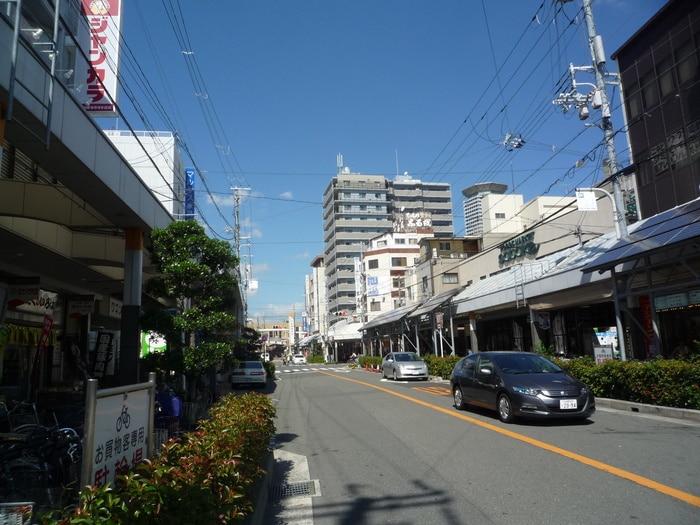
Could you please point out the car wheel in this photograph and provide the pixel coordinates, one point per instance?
(394, 376)
(458, 398)
(505, 409)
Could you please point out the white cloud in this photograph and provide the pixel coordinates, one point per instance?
(287, 195)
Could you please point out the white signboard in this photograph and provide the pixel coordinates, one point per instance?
(586, 201)
(602, 354)
(121, 435)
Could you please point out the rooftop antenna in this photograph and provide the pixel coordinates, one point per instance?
(339, 162)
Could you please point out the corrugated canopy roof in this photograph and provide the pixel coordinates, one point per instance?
(390, 317)
(651, 235)
(434, 302)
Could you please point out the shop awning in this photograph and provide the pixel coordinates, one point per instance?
(308, 340)
(435, 302)
(557, 272)
(390, 317)
(651, 236)
(344, 331)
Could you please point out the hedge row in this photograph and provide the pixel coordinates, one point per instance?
(206, 477)
(662, 382)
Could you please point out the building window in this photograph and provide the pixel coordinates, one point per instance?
(666, 82)
(650, 91)
(373, 264)
(377, 184)
(361, 183)
(687, 62)
(398, 261)
(445, 246)
(400, 241)
(346, 183)
(450, 278)
(500, 215)
(375, 306)
(634, 101)
(398, 282)
(412, 241)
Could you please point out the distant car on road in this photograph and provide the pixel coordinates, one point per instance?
(404, 365)
(519, 384)
(250, 373)
(299, 359)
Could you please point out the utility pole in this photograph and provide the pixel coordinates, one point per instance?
(243, 276)
(598, 99)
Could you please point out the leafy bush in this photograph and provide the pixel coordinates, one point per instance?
(315, 359)
(662, 382)
(270, 369)
(204, 478)
(369, 360)
(440, 366)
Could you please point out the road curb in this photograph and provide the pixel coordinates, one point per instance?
(640, 408)
(261, 492)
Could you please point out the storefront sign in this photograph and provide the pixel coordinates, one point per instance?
(31, 299)
(121, 435)
(602, 354)
(518, 248)
(80, 305)
(115, 308)
(676, 300)
(104, 21)
(103, 353)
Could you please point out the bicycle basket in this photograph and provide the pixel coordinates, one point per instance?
(19, 513)
(22, 415)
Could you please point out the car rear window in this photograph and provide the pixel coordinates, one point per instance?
(250, 364)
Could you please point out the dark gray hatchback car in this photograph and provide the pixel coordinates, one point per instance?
(519, 384)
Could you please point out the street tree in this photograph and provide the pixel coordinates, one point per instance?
(196, 279)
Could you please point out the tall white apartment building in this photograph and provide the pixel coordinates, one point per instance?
(389, 273)
(488, 210)
(316, 296)
(357, 208)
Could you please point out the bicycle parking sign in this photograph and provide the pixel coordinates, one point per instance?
(121, 433)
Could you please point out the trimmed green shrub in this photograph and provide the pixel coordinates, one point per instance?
(204, 478)
(440, 366)
(662, 382)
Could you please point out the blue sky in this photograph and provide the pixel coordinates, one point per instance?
(266, 94)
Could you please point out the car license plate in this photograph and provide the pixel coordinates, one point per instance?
(568, 404)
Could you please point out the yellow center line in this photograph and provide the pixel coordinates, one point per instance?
(641, 480)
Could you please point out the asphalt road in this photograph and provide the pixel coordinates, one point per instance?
(354, 449)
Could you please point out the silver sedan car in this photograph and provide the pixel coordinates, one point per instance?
(404, 365)
(250, 373)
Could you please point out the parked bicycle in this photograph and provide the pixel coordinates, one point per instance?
(39, 462)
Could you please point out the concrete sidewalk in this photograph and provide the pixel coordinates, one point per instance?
(640, 408)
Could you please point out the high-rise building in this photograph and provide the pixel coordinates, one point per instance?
(357, 208)
(487, 209)
(659, 72)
